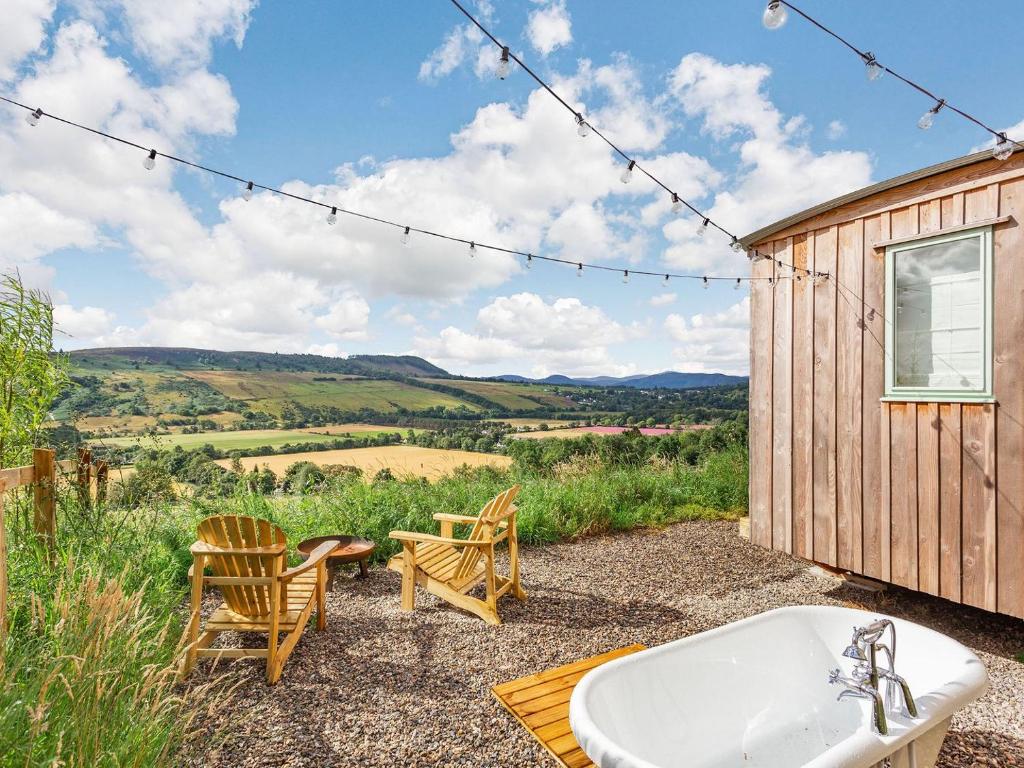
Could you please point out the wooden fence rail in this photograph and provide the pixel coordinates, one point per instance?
(42, 475)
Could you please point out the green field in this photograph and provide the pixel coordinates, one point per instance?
(270, 390)
(238, 440)
(518, 397)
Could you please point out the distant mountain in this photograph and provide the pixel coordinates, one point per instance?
(181, 358)
(664, 380)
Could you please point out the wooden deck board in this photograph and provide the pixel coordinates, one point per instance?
(540, 702)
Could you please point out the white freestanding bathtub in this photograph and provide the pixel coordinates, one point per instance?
(755, 693)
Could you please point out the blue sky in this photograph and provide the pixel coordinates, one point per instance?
(392, 108)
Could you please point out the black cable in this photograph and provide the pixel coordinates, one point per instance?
(865, 56)
(338, 209)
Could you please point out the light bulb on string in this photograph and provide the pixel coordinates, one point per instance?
(706, 284)
(581, 126)
(32, 118)
(627, 173)
(406, 237)
(247, 192)
(472, 249)
(332, 217)
(150, 162)
(737, 286)
(665, 283)
(703, 227)
(503, 64)
(677, 204)
(1003, 149)
(579, 269)
(928, 118)
(529, 261)
(873, 69)
(625, 277)
(774, 15)
(736, 245)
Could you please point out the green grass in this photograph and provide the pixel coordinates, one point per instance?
(236, 440)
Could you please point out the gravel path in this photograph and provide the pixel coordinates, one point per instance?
(385, 688)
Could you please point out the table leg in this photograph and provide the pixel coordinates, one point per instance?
(332, 572)
(364, 570)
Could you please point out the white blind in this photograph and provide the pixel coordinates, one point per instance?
(939, 316)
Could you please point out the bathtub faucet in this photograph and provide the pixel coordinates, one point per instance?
(864, 648)
(858, 687)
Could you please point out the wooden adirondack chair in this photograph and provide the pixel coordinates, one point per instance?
(247, 558)
(450, 567)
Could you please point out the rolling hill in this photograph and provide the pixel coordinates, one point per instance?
(664, 380)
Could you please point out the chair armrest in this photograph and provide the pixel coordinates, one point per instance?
(315, 557)
(428, 538)
(444, 517)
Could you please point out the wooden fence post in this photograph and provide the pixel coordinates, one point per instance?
(3, 576)
(102, 475)
(84, 477)
(44, 519)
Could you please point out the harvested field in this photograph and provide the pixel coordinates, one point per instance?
(402, 460)
(381, 687)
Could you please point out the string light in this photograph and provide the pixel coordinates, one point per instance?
(736, 245)
(774, 15)
(625, 277)
(627, 173)
(703, 227)
(503, 63)
(405, 230)
(1003, 148)
(706, 284)
(581, 126)
(584, 128)
(247, 192)
(32, 118)
(677, 204)
(529, 261)
(929, 117)
(472, 250)
(737, 286)
(872, 68)
(665, 284)
(876, 70)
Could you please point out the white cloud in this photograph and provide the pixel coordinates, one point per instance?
(327, 350)
(549, 27)
(347, 317)
(716, 342)
(778, 172)
(523, 330)
(836, 130)
(29, 229)
(22, 32)
(464, 43)
(81, 324)
(178, 34)
(662, 299)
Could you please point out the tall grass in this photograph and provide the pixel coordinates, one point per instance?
(90, 681)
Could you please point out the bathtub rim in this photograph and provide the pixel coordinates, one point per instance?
(863, 746)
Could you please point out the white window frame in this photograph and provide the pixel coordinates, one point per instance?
(929, 394)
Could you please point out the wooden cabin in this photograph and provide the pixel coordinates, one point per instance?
(887, 401)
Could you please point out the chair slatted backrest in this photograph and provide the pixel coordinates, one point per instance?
(229, 532)
(490, 517)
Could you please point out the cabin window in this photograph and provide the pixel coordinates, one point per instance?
(939, 306)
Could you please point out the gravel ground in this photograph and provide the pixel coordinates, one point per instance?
(381, 687)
